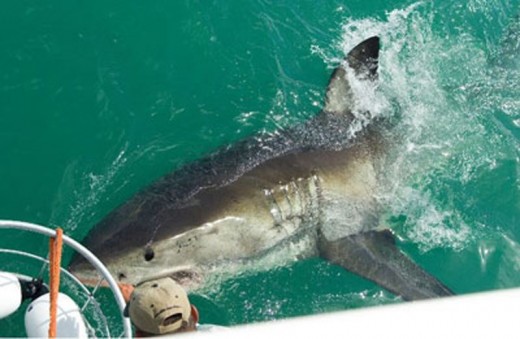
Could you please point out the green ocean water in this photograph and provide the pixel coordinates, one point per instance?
(98, 99)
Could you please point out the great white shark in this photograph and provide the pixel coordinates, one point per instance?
(307, 190)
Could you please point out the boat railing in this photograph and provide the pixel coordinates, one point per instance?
(104, 274)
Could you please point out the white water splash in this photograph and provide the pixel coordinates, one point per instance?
(428, 225)
(441, 90)
(87, 193)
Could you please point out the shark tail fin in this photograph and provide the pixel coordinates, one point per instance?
(363, 59)
(374, 256)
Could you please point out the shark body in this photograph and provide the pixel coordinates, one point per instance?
(308, 190)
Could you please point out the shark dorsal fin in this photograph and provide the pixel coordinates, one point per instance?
(363, 59)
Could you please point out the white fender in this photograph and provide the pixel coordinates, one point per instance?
(69, 320)
(10, 294)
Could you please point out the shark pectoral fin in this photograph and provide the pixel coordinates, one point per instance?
(374, 256)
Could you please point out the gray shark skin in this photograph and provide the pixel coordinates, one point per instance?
(265, 201)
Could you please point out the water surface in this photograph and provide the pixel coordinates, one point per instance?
(99, 99)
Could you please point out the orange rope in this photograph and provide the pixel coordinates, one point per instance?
(55, 247)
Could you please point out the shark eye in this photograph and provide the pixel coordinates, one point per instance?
(149, 254)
